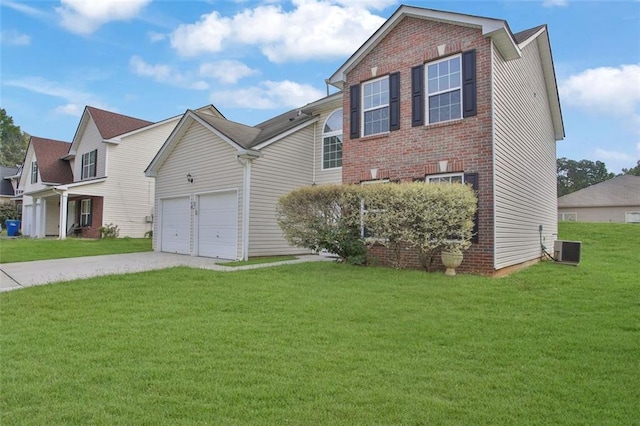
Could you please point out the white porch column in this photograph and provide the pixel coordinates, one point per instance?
(42, 220)
(62, 229)
(34, 226)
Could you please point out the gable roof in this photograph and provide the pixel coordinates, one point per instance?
(623, 190)
(111, 124)
(242, 137)
(508, 44)
(497, 29)
(6, 188)
(49, 153)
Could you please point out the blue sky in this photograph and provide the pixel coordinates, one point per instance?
(154, 59)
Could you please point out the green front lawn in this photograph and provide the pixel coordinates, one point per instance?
(27, 249)
(327, 343)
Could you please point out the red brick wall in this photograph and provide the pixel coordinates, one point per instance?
(412, 152)
(96, 219)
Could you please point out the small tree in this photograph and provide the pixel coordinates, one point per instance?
(323, 218)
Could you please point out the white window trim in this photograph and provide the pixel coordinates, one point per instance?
(328, 135)
(387, 105)
(632, 214)
(563, 217)
(34, 172)
(87, 165)
(84, 202)
(427, 94)
(428, 178)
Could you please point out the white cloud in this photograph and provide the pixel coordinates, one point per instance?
(268, 95)
(74, 99)
(614, 155)
(155, 37)
(555, 3)
(23, 8)
(165, 74)
(313, 29)
(226, 71)
(13, 37)
(607, 91)
(86, 16)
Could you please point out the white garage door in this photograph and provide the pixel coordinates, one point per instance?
(26, 221)
(174, 235)
(218, 225)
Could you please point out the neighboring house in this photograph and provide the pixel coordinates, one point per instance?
(96, 180)
(218, 182)
(432, 96)
(431, 87)
(614, 200)
(7, 188)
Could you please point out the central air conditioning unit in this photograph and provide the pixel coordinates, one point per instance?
(567, 251)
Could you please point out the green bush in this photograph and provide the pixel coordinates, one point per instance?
(109, 231)
(431, 218)
(7, 212)
(324, 218)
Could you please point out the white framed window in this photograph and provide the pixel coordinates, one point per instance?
(445, 178)
(85, 212)
(444, 89)
(632, 217)
(89, 164)
(332, 141)
(568, 217)
(375, 106)
(34, 172)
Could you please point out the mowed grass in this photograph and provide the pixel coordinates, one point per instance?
(333, 344)
(259, 260)
(28, 249)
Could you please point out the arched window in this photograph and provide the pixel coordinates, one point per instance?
(332, 141)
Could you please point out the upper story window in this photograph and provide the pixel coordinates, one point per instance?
(332, 141)
(89, 164)
(375, 106)
(446, 178)
(34, 172)
(444, 89)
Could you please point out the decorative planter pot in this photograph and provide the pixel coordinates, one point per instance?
(451, 261)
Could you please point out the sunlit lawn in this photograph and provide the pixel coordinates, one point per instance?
(27, 249)
(328, 343)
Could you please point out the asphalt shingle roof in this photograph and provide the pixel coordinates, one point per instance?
(48, 154)
(111, 124)
(5, 185)
(523, 35)
(250, 136)
(622, 190)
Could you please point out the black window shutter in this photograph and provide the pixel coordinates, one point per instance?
(472, 179)
(469, 90)
(354, 112)
(90, 212)
(417, 96)
(394, 101)
(94, 168)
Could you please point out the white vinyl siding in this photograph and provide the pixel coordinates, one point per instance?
(212, 163)
(53, 217)
(525, 159)
(285, 165)
(91, 140)
(129, 193)
(614, 214)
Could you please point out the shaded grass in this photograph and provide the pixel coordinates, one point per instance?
(28, 249)
(258, 260)
(326, 343)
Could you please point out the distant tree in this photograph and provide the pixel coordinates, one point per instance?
(633, 170)
(13, 141)
(575, 175)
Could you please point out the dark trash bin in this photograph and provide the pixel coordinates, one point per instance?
(12, 227)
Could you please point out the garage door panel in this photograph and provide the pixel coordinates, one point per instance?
(174, 236)
(218, 225)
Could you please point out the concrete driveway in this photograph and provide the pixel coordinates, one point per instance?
(26, 274)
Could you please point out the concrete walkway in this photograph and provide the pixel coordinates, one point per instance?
(26, 274)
